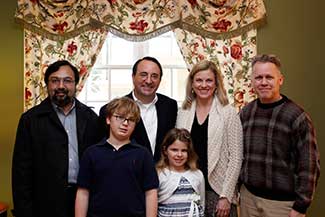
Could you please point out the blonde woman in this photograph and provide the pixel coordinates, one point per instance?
(217, 137)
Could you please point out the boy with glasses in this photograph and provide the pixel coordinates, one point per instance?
(117, 177)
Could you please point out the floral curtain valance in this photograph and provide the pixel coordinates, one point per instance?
(140, 19)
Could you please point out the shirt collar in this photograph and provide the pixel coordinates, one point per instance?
(129, 145)
(273, 104)
(141, 103)
(59, 109)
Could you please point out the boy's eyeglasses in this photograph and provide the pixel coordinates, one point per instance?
(122, 119)
(57, 81)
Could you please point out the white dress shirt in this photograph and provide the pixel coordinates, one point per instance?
(149, 117)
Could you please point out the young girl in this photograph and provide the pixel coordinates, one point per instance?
(181, 190)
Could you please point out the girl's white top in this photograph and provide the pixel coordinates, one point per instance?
(169, 181)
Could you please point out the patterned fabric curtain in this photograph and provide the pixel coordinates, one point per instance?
(57, 28)
(40, 51)
(231, 55)
(140, 19)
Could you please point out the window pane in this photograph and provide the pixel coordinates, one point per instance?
(160, 47)
(179, 83)
(97, 85)
(121, 51)
(165, 84)
(121, 82)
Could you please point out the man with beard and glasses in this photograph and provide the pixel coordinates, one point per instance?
(158, 112)
(50, 140)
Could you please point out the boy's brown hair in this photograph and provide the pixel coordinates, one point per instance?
(123, 106)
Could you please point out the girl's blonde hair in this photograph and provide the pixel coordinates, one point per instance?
(220, 91)
(182, 135)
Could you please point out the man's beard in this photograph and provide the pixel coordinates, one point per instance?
(61, 101)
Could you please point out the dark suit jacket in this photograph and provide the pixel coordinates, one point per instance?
(166, 116)
(40, 159)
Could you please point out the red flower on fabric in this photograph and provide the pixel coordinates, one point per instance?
(221, 25)
(59, 14)
(72, 48)
(225, 50)
(28, 74)
(138, 1)
(60, 27)
(139, 25)
(236, 51)
(27, 49)
(137, 14)
(220, 11)
(212, 43)
(111, 1)
(201, 57)
(83, 69)
(28, 94)
(194, 48)
(251, 91)
(239, 96)
(193, 2)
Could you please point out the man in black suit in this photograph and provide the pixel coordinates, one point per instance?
(51, 138)
(158, 112)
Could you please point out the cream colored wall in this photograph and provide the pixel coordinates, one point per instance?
(295, 32)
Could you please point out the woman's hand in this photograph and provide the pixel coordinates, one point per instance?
(223, 207)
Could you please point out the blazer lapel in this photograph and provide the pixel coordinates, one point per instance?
(161, 111)
(140, 133)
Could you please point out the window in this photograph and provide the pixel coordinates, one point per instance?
(111, 75)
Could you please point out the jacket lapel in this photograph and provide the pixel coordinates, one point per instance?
(160, 117)
(140, 133)
(46, 108)
(81, 120)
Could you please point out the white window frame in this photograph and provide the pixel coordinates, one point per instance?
(140, 49)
